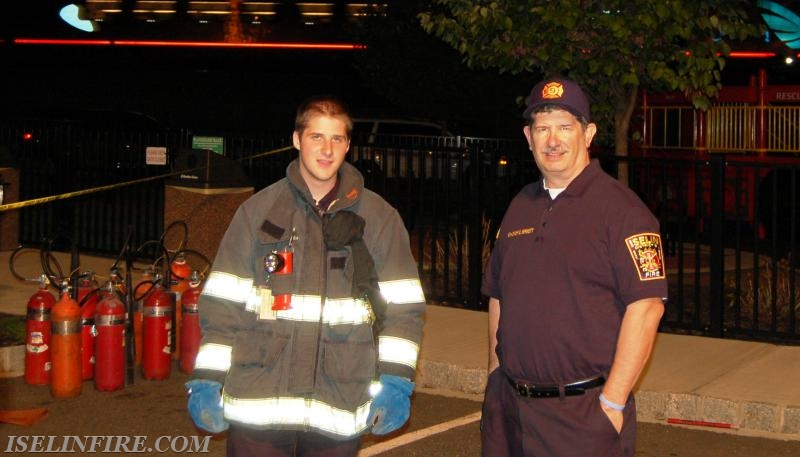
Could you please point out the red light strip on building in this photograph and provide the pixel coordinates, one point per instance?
(751, 55)
(191, 44)
(743, 54)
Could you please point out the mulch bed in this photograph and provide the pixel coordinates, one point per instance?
(12, 330)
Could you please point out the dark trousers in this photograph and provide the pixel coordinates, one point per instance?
(244, 442)
(574, 426)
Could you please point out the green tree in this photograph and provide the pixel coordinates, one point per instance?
(612, 47)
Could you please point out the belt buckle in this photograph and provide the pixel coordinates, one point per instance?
(524, 390)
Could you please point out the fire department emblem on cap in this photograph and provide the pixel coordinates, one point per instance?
(645, 250)
(552, 90)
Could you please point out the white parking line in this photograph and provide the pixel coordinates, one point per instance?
(408, 438)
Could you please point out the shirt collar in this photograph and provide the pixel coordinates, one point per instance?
(581, 183)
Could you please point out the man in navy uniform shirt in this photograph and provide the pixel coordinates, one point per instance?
(577, 286)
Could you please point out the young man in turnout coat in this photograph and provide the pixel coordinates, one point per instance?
(339, 362)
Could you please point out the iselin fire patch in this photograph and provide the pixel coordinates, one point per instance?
(647, 255)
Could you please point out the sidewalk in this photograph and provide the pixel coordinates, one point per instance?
(753, 388)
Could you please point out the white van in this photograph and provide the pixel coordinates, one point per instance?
(396, 126)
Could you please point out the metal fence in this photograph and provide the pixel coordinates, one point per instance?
(731, 238)
(731, 128)
(730, 227)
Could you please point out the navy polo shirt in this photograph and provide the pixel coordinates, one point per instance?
(565, 269)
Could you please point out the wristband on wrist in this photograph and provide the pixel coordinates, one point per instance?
(611, 404)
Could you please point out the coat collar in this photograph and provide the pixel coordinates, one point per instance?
(351, 185)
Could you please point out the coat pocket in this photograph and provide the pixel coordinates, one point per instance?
(350, 361)
(255, 362)
(254, 349)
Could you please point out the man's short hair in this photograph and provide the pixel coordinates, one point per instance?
(322, 104)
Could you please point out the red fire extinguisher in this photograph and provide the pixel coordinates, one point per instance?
(190, 335)
(157, 332)
(88, 297)
(179, 282)
(280, 263)
(109, 320)
(139, 292)
(66, 378)
(37, 335)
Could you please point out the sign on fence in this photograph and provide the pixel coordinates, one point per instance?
(212, 143)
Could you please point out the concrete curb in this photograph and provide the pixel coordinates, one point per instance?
(745, 416)
(740, 417)
(446, 376)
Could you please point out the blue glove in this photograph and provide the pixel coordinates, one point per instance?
(391, 406)
(205, 405)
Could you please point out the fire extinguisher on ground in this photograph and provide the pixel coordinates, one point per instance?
(179, 283)
(157, 332)
(190, 334)
(139, 292)
(66, 377)
(88, 297)
(109, 320)
(37, 335)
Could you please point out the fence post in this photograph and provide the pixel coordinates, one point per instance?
(717, 246)
(475, 230)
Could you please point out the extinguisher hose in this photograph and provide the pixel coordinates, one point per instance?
(12, 260)
(88, 296)
(49, 260)
(136, 295)
(126, 247)
(159, 254)
(185, 233)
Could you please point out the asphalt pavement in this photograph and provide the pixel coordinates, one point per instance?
(730, 386)
(152, 416)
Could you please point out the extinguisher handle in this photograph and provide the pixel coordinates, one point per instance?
(205, 405)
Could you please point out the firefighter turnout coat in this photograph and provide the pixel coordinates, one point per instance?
(309, 367)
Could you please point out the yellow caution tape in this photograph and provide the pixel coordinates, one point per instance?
(78, 193)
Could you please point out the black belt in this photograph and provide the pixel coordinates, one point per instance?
(554, 390)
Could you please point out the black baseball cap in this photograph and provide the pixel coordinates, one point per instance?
(560, 92)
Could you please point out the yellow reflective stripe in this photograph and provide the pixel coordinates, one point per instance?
(228, 286)
(253, 302)
(212, 356)
(402, 291)
(346, 311)
(398, 350)
(301, 412)
(306, 308)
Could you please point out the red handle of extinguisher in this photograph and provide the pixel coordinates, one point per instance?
(284, 301)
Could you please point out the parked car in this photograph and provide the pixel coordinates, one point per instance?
(423, 168)
(373, 126)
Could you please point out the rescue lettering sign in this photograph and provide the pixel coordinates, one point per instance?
(647, 254)
(787, 96)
